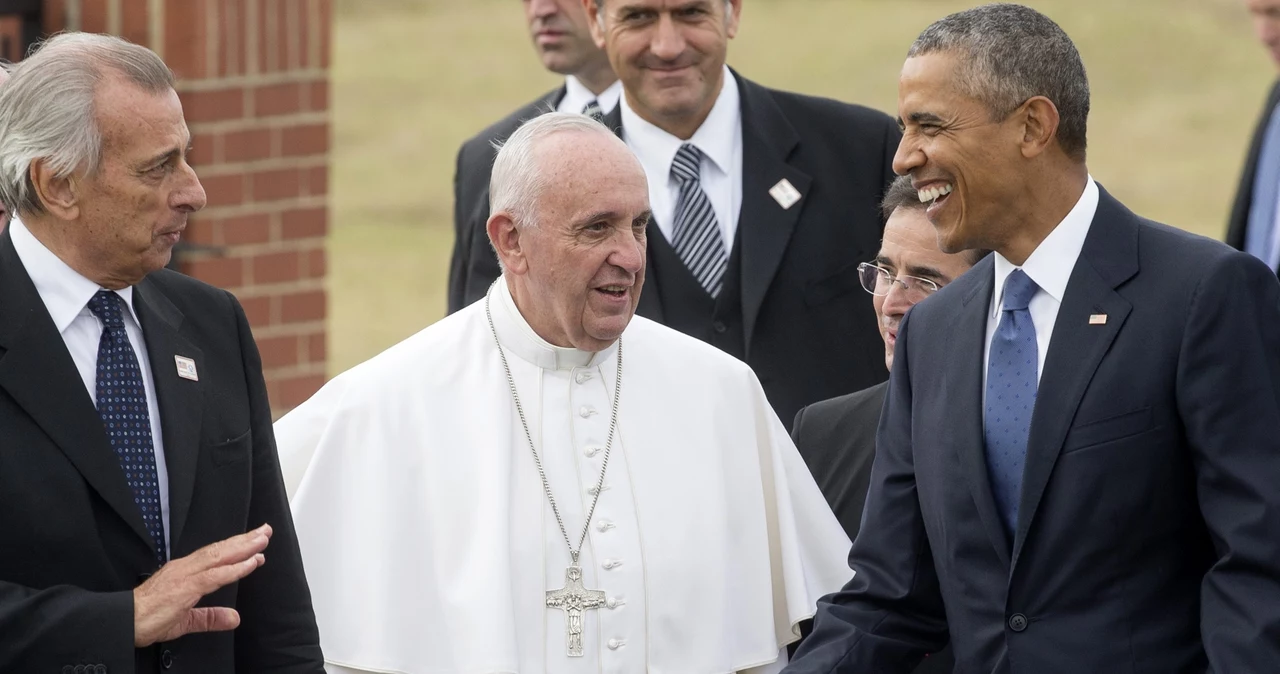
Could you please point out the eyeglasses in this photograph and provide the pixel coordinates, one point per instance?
(879, 281)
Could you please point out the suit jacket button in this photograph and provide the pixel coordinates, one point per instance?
(166, 659)
(719, 327)
(100, 669)
(68, 669)
(1017, 622)
(79, 669)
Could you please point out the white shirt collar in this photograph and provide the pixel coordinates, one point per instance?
(716, 138)
(577, 95)
(1050, 264)
(518, 337)
(65, 291)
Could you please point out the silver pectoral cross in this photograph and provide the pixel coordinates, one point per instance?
(573, 598)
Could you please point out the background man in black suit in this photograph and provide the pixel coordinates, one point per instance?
(137, 443)
(1076, 467)
(764, 201)
(563, 42)
(1253, 225)
(837, 437)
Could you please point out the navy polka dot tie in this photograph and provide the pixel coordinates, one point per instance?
(122, 404)
(1011, 396)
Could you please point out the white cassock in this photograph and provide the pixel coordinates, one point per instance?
(429, 543)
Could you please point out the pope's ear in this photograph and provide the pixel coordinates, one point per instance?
(504, 236)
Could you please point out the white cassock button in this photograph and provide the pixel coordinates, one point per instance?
(582, 377)
(593, 491)
(614, 602)
(615, 644)
(591, 451)
(604, 525)
(585, 411)
(612, 564)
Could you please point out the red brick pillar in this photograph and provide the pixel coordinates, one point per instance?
(253, 76)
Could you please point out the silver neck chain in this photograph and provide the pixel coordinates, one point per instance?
(546, 486)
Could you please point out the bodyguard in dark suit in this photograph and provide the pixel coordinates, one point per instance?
(563, 42)
(1076, 466)
(764, 201)
(137, 447)
(1252, 227)
(837, 437)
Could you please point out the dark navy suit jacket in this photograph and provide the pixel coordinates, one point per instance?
(1149, 529)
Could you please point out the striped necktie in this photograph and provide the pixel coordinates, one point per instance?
(697, 238)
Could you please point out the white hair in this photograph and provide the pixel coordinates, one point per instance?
(517, 179)
(47, 110)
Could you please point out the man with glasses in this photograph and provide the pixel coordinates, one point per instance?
(837, 437)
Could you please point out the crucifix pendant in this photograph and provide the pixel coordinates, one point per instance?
(573, 599)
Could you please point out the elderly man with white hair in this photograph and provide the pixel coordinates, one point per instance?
(543, 482)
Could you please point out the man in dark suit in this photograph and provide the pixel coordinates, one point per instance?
(1076, 466)
(837, 437)
(1254, 213)
(563, 42)
(764, 201)
(137, 443)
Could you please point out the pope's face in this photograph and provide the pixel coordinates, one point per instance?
(582, 265)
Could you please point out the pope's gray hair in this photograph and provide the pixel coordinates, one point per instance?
(517, 179)
(47, 110)
(1009, 53)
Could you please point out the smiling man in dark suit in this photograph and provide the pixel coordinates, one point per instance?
(837, 437)
(563, 42)
(136, 447)
(1077, 463)
(1254, 215)
(764, 201)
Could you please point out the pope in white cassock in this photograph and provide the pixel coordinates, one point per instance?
(543, 483)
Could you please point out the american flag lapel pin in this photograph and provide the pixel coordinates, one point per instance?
(1097, 319)
(186, 368)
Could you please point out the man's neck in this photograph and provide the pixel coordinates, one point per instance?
(681, 127)
(597, 77)
(1048, 206)
(51, 236)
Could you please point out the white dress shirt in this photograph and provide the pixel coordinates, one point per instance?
(66, 296)
(1049, 265)
(720, 140)
(577, 96)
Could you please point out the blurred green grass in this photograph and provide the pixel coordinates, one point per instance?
(1177, 86)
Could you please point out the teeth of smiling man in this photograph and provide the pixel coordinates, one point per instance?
(933, 193)
(613, 289)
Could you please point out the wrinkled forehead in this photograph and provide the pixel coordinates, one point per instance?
(589, 172)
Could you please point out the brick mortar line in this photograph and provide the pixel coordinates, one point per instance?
(270, 207)
(304, 161)
(253, 123)
(301, 76)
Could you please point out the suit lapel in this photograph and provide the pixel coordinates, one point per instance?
(38, 373)
(764, 226)
(964, 389)
(1109, 258)
(180, 400)
(1244, 193)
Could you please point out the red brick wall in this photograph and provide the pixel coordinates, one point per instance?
(254, 82)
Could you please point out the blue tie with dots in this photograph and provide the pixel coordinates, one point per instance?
(1011, 396)
(122, 404)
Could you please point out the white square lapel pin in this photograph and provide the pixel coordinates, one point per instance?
(186, 368)
(785, 194)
